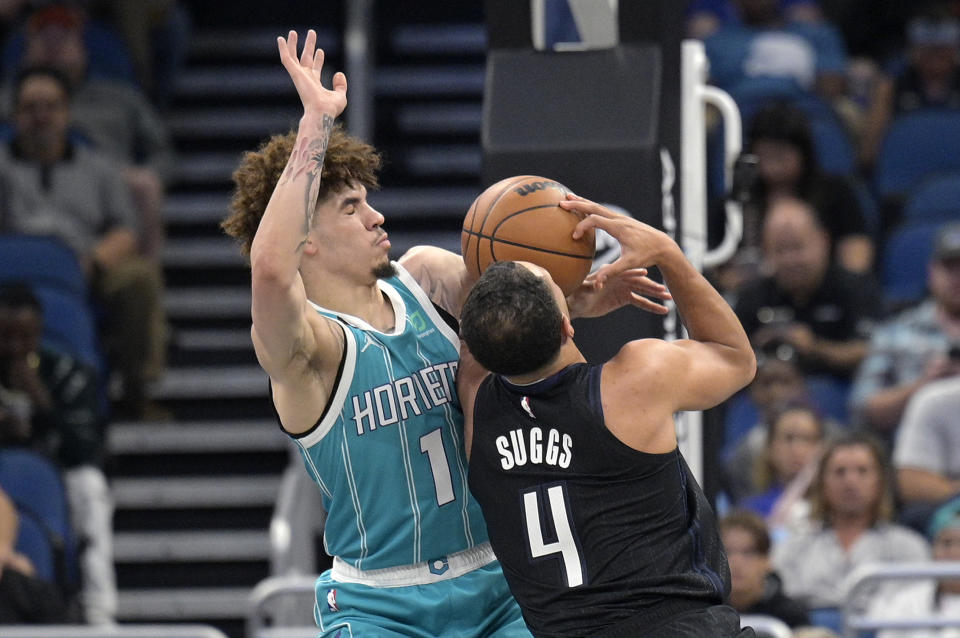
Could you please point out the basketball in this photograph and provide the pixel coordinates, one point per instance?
(519, 219)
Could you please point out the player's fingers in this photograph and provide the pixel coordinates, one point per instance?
(292, 44)
(594, 221)
(650, 306)
(340, 82)
(309, 44)
(611, 270)
(586, 207)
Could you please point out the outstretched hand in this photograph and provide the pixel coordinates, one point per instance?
(305, 73)
(629, 287)
(641, 245)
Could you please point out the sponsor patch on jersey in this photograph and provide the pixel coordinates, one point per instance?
(525, 404)
(332, 600)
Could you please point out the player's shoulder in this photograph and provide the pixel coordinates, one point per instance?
(429, 258)
(648, 359)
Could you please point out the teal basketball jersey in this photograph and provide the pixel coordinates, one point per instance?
(388, 453)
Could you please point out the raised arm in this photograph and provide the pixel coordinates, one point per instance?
(284, 329)
(688, 374)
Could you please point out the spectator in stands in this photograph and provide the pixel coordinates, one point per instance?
(780, 137)
(115, 116)
(65, 422)
(755, 588)
(778, 382)
(927, 451)
(931, 77)
(926, 598)
(156, 32)
(783, 473)
(53, 186)
(819, 309)
(24, 598)
(767, 49)
(849, 524)
(704, 17)
(910, 350)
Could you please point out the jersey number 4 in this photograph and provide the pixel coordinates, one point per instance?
(565, 545)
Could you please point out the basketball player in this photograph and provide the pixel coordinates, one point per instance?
(362, 367)
(598, 523)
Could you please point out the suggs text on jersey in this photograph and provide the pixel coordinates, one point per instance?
(529, 445)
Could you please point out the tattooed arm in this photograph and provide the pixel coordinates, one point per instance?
(441, 274)
(289, 339)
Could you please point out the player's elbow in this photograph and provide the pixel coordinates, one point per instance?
(743, 366)
(268, 270)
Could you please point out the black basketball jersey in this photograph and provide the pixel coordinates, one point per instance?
(594, 537)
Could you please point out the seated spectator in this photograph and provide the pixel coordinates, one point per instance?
(927, 452)
(113, 115)
(767, 48)
(53, 187)
(820, 309)
(24, 598)
(783, 473)
(754, 587)
(778, 382)
(156, 32)
(911, 350)
(926, 598)
(60, 399)
(780, 137)
(849, 525)
(931, 78)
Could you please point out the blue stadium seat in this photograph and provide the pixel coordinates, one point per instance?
(830, 397)
(904, 266)
(936, 199)
(35, 486)
(918, 145)
(43, 261)
(740, 416)
(69, 325)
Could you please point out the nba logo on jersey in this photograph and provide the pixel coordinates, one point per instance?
(332, 600)
(525, 404)
(438, 566)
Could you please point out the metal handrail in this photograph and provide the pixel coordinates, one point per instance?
(865, 575)
(269, 590)
(695, 94)
(766, 626)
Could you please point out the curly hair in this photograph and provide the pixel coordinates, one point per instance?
(348, 162)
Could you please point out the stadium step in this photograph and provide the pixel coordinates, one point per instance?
(195, 492)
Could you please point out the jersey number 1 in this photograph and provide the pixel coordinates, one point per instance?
(431, 444)
(565, 545)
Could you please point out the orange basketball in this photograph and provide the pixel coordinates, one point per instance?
(519, 219)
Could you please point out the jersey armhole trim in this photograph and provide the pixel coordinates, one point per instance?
(428, 306)
(331, 413)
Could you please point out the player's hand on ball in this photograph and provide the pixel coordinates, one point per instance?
(641, 245)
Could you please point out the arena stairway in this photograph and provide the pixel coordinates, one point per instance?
(195, 492)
